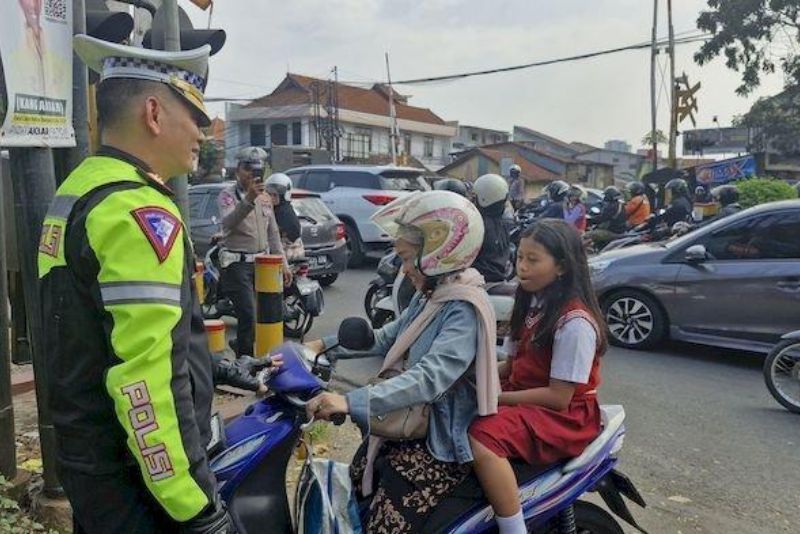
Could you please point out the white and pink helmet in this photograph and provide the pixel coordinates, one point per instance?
(450, 227)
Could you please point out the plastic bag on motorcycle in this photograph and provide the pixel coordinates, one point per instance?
(325, 500)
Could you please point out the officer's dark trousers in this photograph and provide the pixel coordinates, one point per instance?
(238, 282)
(113, 503)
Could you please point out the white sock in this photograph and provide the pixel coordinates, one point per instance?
(511, 525)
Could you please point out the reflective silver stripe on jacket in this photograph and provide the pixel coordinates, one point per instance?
(140, 293)
(62, 206)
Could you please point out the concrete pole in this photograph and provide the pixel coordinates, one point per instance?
(172, 42)
(673, 116)
(8, 449)
(653, 111)
(34, 185)
(80, 107)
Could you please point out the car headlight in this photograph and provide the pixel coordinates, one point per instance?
(598, 266)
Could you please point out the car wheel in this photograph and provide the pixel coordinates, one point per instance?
(326, 279)
(354, 246)
(635, 320)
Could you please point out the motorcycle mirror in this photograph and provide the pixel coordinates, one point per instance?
(355, 333)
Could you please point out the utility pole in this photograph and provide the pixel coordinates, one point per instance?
(336, 133)
(80, 105)
(172, 42)
(392, 115)
(653, 111)
(34, 186)
(673, 116)
(8, 448)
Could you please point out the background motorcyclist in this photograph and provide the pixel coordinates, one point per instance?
(680, 203)
(516, 187)
(279, 186)
(575, 209)
(637, 208)
(556, 193)
(491, 193)
(612, 221)
(728, 198)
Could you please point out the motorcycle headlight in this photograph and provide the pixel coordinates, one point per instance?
(598, 266)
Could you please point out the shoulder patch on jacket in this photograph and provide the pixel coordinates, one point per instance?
(160, 227)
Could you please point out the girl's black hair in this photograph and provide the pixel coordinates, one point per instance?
(562, 241)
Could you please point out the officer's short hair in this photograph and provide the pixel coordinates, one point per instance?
(115, 96)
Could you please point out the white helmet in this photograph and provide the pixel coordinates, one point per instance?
(280, 183)
(514, 168)
(490, 189)
(450, 227)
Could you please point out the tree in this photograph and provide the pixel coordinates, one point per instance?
(752, 35)
(774, 123)
(647, 140)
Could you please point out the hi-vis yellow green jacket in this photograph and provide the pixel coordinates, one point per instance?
(129, 368)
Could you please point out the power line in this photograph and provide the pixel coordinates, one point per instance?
(578, 57)
(451, 77)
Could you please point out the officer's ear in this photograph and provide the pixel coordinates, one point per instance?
(154, 114)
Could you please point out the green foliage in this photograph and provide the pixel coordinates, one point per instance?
(647, 140)
(760, 190)
(13, 520)
(754, 37)
(208, 155)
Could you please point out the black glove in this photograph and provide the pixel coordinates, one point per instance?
(214, 519)
(241, 373)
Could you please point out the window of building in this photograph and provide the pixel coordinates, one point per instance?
(428, 149)
(297, 133)
(474, 137)
(407, 143)
(357, 144)
(279, 135)
(258, 135)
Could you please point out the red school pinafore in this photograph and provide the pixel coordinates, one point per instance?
(536, 434)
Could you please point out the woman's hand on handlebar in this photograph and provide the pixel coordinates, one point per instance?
(316, 346)
(326, 405)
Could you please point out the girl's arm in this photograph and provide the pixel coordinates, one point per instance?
(556, 396)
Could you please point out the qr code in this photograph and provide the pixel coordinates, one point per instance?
(55, 10)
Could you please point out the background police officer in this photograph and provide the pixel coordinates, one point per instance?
(132, 377)
(248, 229)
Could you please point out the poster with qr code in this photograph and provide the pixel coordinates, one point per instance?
(36, 74)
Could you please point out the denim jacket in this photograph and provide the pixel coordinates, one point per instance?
(440, 371)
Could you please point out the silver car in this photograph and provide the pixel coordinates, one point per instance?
(354, 193)
(734, 283)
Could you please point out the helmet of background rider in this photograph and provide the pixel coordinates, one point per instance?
(280, 184)
(490, 189)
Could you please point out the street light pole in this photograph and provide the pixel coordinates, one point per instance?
(673, 116)
(172, 42)
(8, 449)
(653, 113)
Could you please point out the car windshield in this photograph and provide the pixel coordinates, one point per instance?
(403, 181)
(312, 209)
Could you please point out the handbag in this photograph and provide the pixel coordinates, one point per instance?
(406, 423)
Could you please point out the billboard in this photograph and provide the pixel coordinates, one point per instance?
(716, 141)
(36, 81)
(724, 171)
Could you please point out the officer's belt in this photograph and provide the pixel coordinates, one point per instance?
(247, 257)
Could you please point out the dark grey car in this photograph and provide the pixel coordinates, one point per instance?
(323, 234)
(734, 283)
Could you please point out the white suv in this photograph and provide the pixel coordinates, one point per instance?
(354, 193)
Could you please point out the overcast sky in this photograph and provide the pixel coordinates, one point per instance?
(591, 100)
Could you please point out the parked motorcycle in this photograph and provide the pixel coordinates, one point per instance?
(380, 287)
(254, 451)
(302, 300)
(782, 372)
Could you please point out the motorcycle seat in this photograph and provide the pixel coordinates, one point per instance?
(612, 417)
(505, 289)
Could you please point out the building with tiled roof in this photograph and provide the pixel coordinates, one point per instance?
(296, 113)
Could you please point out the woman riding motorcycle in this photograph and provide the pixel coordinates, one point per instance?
(728, 197)
(680, 204)
(439, 357)
(279, 187)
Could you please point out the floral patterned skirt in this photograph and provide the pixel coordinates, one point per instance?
(409, 483)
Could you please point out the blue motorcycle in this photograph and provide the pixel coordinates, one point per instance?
(255, 449)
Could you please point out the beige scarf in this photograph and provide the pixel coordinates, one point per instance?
(467, 286)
